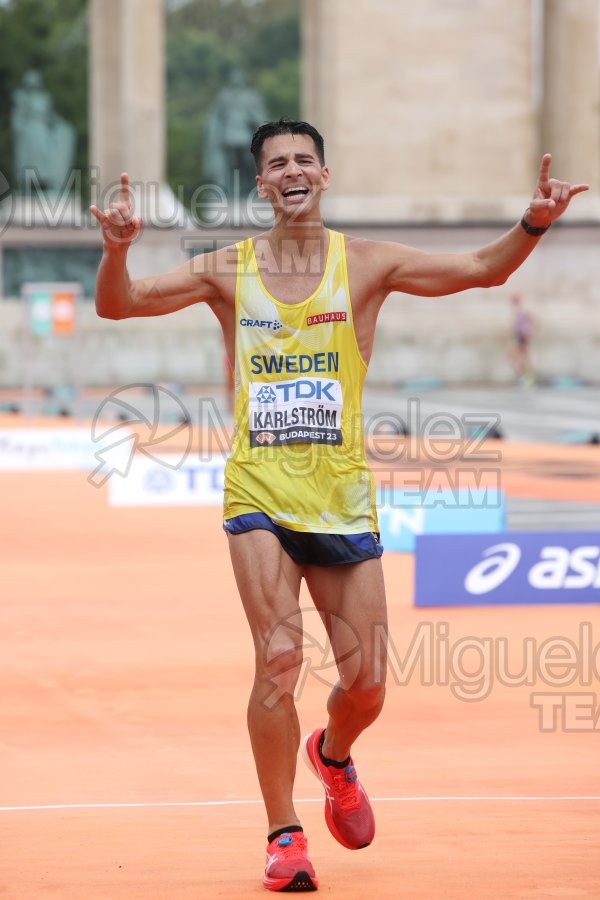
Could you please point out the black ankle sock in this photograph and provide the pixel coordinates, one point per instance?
(331, 762)
(280, 831)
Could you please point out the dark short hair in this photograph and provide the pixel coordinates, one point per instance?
(285, 126)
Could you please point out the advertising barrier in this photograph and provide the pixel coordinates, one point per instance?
(510, 568)
(404, 515)
(169, 482)
(48, 450)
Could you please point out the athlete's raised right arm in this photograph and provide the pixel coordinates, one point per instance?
(118, 297)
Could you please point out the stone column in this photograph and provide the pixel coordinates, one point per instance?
(428, 108)
(127, 102)
(570, 125)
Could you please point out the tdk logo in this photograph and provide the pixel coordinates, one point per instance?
(314, 389)
(261, 323)
(305, 389)
(266, 395)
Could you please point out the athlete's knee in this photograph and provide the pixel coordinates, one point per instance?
(366, 693)
(365, 685)
(279, 661)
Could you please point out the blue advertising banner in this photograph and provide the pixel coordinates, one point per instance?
(511, 568)
(404, 515)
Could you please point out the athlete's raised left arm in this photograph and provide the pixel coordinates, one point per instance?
(412, 271)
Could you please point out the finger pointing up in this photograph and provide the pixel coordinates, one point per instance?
(124, 195)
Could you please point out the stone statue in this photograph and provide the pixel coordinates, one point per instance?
(235, 115)
(43, 142)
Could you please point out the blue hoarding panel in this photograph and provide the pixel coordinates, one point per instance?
(403, 516)
(509, 568)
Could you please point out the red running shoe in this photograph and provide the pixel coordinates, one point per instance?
(288, 866)
(348, 813)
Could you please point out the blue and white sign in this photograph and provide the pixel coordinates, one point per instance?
(169, 481)
(511, 568)
(52, 450)
(404, 515)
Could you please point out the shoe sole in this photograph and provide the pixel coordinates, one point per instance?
(328, 818)
(301, 882)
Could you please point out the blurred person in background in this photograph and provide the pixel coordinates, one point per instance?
(523, 326)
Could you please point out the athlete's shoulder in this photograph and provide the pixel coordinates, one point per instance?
(217, 268)
(221, 261)
(358, 245)
(361, 252)
(379, 255)
(369, 266)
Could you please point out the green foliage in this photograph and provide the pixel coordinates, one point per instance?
(50, 36)
(280, 88)
(197, 65)
(206, 38)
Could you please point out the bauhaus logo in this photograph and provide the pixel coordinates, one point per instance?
(324, 318)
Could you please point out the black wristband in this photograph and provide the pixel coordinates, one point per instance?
(532, 230)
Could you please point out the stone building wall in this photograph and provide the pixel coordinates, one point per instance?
(440, 110)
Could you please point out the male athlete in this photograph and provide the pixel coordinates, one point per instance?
(298, 306)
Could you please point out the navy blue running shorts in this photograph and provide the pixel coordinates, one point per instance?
(309, 549)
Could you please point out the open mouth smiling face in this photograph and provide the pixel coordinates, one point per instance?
(296, 194)
(292, 174)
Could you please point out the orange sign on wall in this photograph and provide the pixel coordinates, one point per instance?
(63, 312)
(51, 307)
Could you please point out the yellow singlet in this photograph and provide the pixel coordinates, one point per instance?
(298, 453)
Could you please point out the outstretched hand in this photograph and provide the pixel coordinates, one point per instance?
(119, 224)
(551, 197)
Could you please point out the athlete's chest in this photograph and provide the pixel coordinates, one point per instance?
(295, 270)
(290, 287)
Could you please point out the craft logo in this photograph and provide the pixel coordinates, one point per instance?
(261, 323)
(323, 318)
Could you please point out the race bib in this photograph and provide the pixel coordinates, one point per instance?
(302, 411)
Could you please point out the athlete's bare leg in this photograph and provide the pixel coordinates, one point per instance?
(351, 601)
(268, 581)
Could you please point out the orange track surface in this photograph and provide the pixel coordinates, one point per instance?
(125, 670)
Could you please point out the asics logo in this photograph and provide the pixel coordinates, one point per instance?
(500, 562)
(556, 567)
